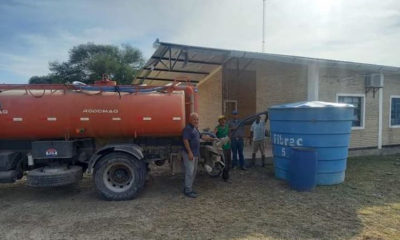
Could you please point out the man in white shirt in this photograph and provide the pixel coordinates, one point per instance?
(257, 138)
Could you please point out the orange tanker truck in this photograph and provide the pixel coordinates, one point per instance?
(55, 133)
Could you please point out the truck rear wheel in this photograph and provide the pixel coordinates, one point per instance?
(119, 176)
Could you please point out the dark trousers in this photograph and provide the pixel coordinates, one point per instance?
(237, 145)
(228, 162)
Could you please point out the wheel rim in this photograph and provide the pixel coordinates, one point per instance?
(118, 177)
(216, 169)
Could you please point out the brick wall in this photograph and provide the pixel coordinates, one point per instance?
(334, 81)
(391, 136)
(210, 101)
(279, 83)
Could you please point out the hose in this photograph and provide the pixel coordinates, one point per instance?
(123, 89)
(210, 134)
(37, 96)
(248, 120)
(118, 91)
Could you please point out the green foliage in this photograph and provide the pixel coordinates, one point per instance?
(88, 62)
(49, 79)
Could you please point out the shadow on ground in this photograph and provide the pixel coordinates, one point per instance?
(254, 206)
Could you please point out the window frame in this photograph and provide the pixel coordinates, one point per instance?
(230, 101)
(390, 112)
(362, 96)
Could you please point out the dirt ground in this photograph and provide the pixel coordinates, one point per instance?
(254, 206)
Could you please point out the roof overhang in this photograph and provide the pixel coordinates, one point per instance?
(171, 61)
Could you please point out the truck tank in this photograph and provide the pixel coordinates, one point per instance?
(38, 112)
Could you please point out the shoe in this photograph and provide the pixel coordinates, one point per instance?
(184, 191)
(191, 195)
(253, 160)
(227, 180)
(244, 168)
(263, 161)
(234, 168)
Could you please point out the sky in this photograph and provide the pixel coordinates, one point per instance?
(32, 33)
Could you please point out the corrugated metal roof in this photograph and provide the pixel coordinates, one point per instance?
(170, 61)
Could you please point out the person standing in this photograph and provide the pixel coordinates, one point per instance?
(222, 131)
(237, 143)
(191, 152)
(257, 138)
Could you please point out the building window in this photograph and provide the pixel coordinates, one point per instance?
(395, 111)
(359, 107)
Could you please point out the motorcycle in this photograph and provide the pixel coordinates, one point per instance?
(214, 159)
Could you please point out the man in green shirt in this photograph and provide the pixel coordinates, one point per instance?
(222, 130)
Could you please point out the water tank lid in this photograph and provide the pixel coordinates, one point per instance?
(313, 104)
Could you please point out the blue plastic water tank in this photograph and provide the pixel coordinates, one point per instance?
(321, 125)
(303, 169)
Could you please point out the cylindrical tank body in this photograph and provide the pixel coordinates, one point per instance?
(320, 125)
(66, 113)
(303, 169)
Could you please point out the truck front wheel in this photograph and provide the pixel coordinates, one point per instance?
(119, 176)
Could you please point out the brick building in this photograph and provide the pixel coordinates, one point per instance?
(252, 82)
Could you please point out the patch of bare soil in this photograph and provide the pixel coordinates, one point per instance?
(254, 206)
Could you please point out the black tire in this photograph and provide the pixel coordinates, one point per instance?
(216, 171)
(217, 168)
(119, 176)
(39, 178)
(160, 162)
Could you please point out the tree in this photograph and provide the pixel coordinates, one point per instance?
(49, 79)
(88, 62)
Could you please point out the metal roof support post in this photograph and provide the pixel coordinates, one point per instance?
(180, 52)
(186, 58)
(170, 63)
(176, 71)
(380, 112)
(237, 67)
(165, 65)
(209, 76)
(313, 83)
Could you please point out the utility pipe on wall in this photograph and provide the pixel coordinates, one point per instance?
(313, 83)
